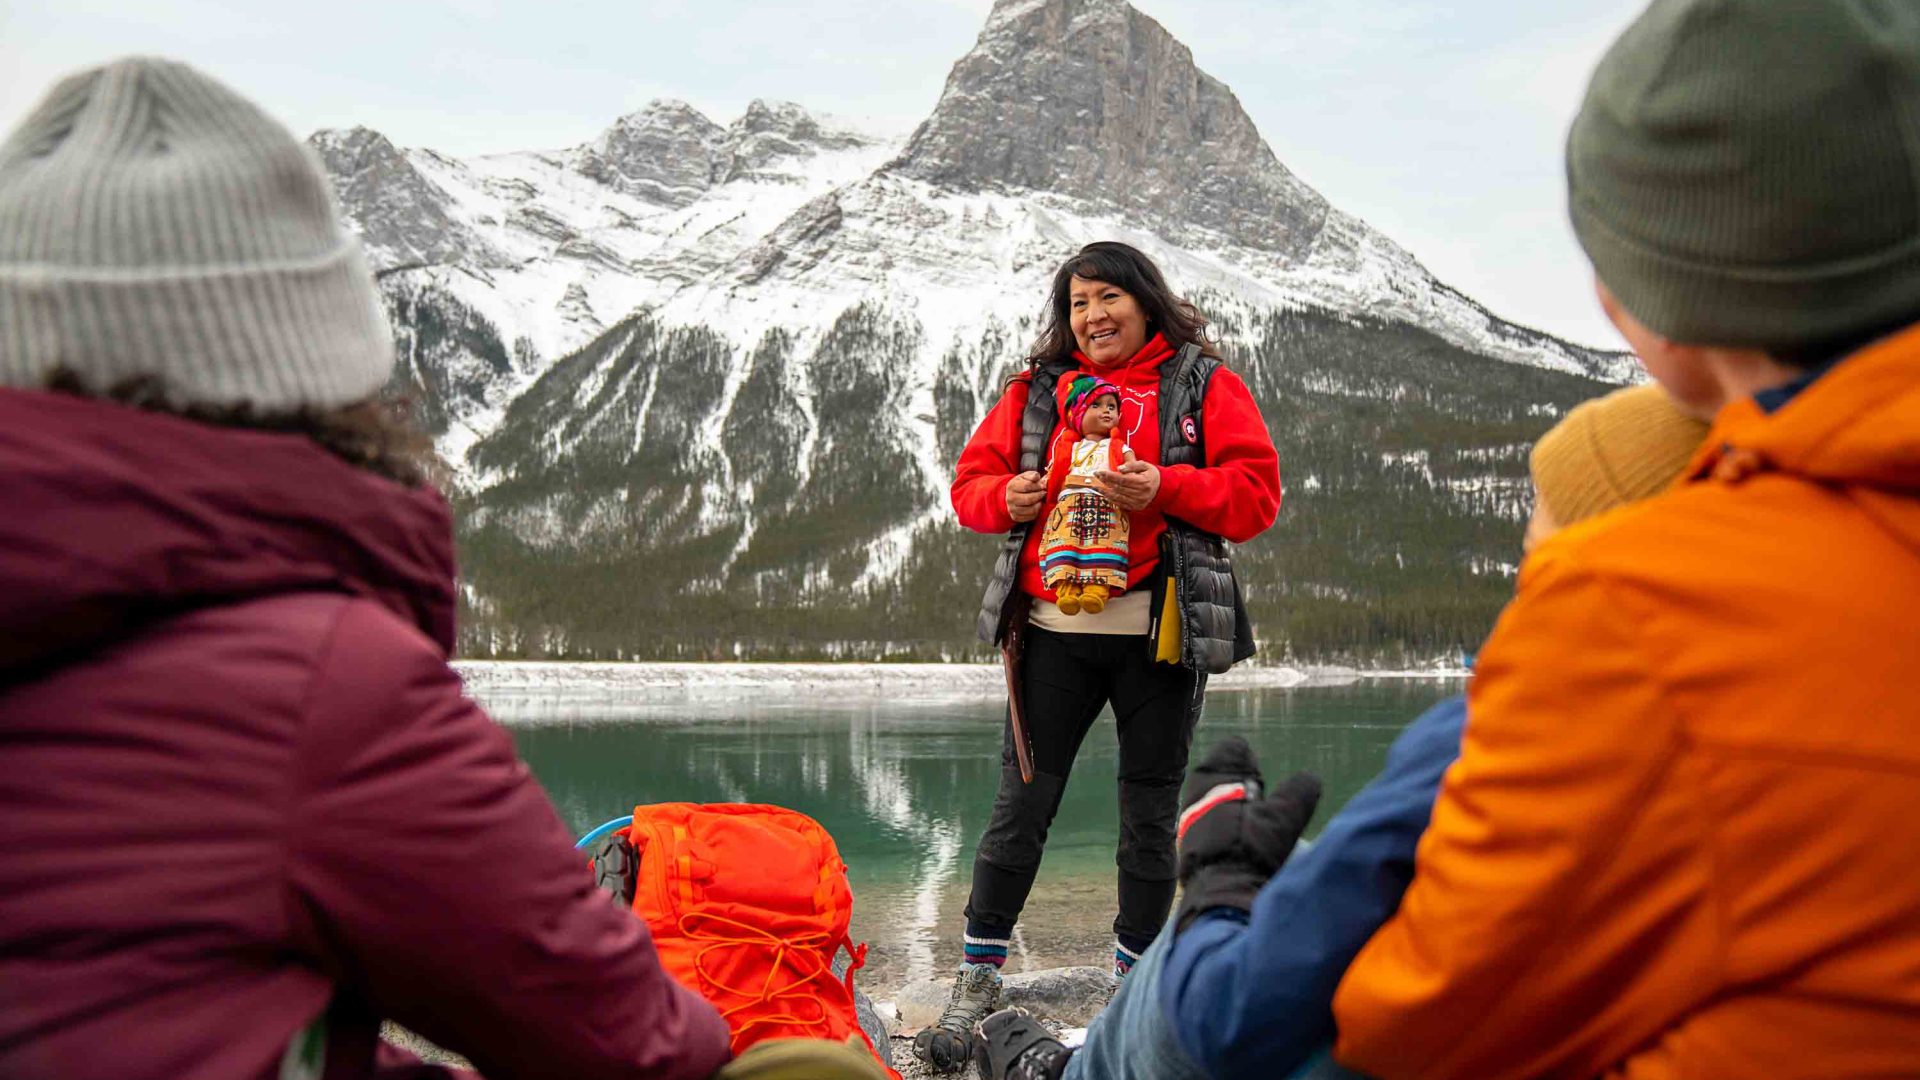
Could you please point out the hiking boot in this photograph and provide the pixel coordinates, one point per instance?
(948, 1045)
(1015, 1046)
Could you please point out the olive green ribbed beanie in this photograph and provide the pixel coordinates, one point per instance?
(156, 225)
(1627, 446)
(1747, 172)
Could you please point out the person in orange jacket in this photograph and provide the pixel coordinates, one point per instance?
(1678, 841)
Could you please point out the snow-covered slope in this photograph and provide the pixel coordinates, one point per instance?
(557, 245)
(550, 248)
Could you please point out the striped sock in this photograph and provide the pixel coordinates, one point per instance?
(986, 946)
(1124, 959)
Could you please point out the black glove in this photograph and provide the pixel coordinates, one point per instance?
(1231, 838)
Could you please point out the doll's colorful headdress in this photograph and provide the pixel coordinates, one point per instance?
(1082, 392)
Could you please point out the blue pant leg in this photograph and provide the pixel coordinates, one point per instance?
(1133, 1039)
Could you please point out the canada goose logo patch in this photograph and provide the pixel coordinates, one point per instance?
(1191, 430)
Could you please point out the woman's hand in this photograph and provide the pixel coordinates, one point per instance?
(1132, 486)
(1025, 493)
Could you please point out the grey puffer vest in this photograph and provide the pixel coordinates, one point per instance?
(1215, 632)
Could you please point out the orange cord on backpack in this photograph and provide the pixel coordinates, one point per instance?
(803, 946)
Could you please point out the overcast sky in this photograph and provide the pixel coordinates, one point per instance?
(1439, 123)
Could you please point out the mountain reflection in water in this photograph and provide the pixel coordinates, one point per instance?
(905, 789)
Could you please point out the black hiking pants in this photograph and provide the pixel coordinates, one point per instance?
(1067, 679)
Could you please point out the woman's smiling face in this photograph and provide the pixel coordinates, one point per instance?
(1107, 324)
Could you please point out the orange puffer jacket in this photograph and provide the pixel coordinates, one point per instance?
(1681, 838)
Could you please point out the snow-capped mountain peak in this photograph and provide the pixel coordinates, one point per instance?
(1095, 102)
(550, 247)
(783, 133)
(1067, 121)
(662, 153)
(403, 217)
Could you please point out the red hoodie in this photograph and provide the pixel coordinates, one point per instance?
(241, 782)
(1237, 494)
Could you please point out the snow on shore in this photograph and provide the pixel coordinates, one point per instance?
(518, 682)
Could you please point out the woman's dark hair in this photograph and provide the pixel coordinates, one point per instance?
(377, 434)
(1126, 267)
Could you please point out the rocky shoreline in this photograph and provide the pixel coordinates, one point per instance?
(512, 684)
(1065, 999)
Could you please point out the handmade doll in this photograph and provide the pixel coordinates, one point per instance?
(1083, 549)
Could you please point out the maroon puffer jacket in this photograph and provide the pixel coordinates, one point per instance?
(241, 789)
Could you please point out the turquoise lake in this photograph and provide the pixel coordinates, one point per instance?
(906, 788)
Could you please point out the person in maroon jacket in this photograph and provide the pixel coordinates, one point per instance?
(248, 811)
(1110, 315)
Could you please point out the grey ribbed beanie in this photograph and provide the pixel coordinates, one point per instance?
(1747, 172)
(155, 223)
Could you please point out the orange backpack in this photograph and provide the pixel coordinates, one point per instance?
(748, 905)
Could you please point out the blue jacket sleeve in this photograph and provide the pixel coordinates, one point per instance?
(1252, 995)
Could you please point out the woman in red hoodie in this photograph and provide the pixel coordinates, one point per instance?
(1202, 472)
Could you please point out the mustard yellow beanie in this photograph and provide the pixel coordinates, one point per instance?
(1611, 451)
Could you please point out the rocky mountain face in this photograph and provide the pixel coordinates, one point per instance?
(702, 384)
(663, 153)
(404, 219)
(1095, 102)
(770, 132)
(669, 153)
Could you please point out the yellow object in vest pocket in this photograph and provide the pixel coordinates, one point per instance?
(1167, 649)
